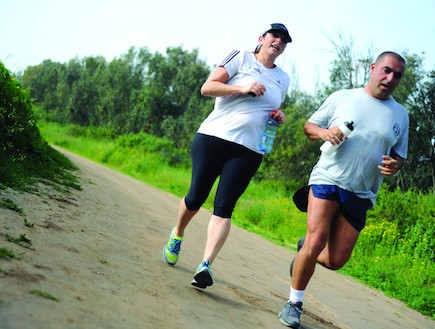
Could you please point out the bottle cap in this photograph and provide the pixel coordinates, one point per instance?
(349, 125)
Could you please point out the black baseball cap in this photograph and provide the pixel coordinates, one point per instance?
(280, 27)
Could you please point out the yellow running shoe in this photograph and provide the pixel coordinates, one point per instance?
(172, 248)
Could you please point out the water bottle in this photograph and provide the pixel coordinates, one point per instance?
(269, 134)
(346, 128)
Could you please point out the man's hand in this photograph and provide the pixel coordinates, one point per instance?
(334, 135)
(389, 166)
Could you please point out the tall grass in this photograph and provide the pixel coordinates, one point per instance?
(394, 253)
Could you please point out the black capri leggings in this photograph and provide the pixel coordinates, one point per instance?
(211, 157)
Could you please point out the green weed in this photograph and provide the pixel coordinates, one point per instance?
(22, 241)
(9, 254)
(28, 224)
(9, 204)
(43, 294)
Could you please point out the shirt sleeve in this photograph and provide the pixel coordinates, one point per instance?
(232, 62)
(323, 115)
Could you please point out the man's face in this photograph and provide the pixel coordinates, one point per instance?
(385, 77)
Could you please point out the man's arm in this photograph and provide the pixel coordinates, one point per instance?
(315, 132)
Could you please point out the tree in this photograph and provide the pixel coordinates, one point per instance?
(421, 162)
(415, 92)
(348, 70)
(171, 83)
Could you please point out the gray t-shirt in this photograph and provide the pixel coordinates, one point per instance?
(380, 128)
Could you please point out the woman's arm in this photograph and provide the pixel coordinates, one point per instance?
(215, 85)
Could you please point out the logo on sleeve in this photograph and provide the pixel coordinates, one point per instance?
(396, 129)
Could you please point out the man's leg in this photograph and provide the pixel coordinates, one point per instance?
(320, 216)
(342, 240)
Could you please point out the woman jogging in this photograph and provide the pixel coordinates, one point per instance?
(249, 88)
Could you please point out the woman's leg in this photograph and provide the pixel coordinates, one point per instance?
(239, 168)
(217, 233)
(184, 217)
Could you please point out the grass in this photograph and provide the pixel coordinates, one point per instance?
(28, 224)
(393, 254)
(9, 254)
(22, 241)
(9, 204)
(43, 294)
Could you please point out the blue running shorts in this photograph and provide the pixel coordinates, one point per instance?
(353, 208)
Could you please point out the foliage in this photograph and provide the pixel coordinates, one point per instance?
(395, 249)
(22, 241)
(9, 254)
(348, 70)
(24, 155)
(43, 294)
(9, 204)
(138, 91)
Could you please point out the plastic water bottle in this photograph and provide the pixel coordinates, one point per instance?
(346, 128)
(269, 134)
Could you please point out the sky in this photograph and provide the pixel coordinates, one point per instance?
(32, 31)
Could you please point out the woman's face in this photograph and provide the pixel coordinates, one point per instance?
(273, 43)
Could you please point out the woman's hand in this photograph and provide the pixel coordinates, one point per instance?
(254, 89)
(279, 116)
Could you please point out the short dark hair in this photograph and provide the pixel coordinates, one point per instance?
(391, 53)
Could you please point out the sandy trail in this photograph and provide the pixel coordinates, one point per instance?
(99, 252)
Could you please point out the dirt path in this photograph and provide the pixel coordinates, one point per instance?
(99, 252)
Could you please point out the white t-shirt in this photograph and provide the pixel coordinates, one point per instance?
(241, 118)
(380, 128)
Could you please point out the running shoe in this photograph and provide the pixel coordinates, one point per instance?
(290, 315)
(300, 244)
(203, 276)
(172, 248)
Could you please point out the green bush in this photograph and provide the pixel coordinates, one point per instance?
(395, 251)
(24, 154)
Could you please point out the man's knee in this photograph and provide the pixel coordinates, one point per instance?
(335, 263)
(313, 247)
